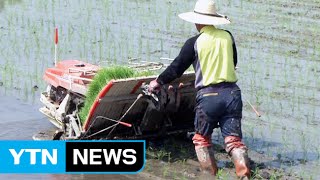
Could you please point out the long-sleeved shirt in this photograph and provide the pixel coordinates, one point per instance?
(213, 54)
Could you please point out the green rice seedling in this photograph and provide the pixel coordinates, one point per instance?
(310, 177)
(255, 173)
(10, 72)
(182, 163)
(183, 151)
(100, 44)
(222, 175)
(168, 19)
(148, 50)
(165, 171)
(101, 79)
(114, 48)
(175, 175)
(2, 76)
(304, 145)
(161, 154)
(140, 42)
(318, 153)
(250, 131)
(303, 175)
(26, 93)
(148, 166)
(33, 93)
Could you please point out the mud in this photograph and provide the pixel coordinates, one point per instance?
(278, 50)
(175, 158)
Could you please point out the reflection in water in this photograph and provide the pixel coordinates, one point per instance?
(3, 3)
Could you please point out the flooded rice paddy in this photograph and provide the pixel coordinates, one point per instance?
(278, 52)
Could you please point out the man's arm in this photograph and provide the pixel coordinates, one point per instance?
(180, 63)
(234, 47)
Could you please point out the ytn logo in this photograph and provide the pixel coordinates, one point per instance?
(44, 154)
(111, 157)
(32, 156)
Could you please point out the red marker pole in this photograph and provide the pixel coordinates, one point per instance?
(55, 46)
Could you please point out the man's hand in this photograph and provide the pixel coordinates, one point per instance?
(154, 86)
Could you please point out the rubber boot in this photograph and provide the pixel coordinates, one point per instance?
(241, 162)
(238, 151)
(205, 154)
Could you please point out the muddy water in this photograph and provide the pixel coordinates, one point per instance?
(279, 65)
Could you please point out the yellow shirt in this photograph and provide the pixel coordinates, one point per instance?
(215, 57)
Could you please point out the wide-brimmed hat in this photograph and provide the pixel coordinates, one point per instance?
(205, 13)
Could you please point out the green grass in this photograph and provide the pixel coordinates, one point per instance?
(101, 79)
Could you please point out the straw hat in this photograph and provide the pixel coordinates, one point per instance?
(205, 13)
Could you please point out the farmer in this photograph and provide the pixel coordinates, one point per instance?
(213, 55)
